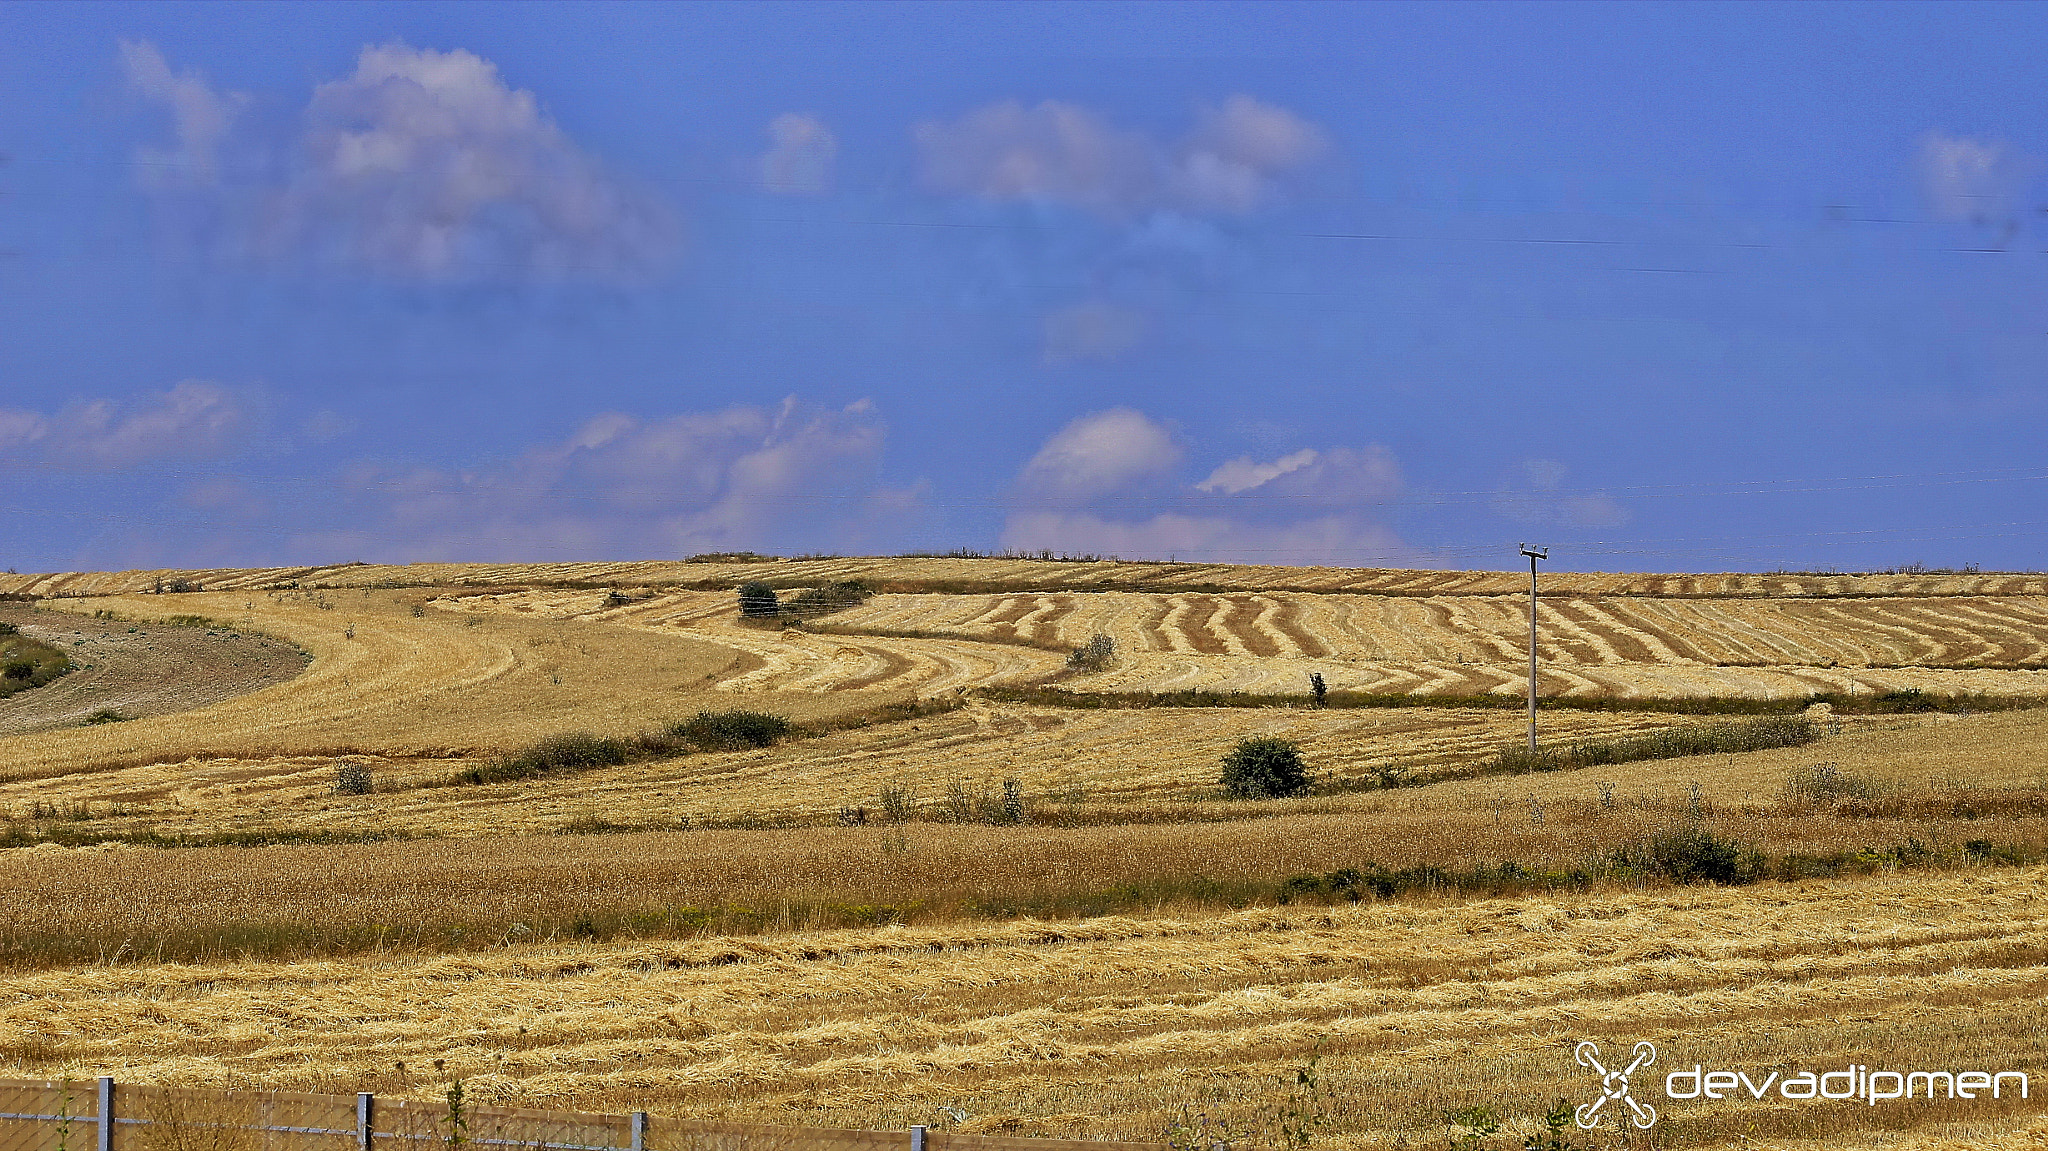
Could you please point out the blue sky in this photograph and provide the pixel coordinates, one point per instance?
(1667, 287)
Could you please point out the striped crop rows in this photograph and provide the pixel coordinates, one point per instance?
(1627, 646)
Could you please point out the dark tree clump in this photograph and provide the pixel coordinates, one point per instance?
(758, 599)
(1265, 767)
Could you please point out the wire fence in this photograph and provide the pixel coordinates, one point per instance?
(96, 1115)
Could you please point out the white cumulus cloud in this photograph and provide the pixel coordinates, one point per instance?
(1100, 453)
(428, 164)
(1104, 485)
(421, 164)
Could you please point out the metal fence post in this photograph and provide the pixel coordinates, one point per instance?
(106, 1110)
(366, 1118)
(917, 1135)
(639, 1131)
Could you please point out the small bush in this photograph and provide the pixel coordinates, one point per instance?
(1095, 655)
(1826, 783)
(732, 730)
(1265, 767)
(899, 803)
(107, 715)
(9, 629)
(757, 600)
(21, 669)
(984, 804)
(1694, 854)
(575, 751)
(352, 779)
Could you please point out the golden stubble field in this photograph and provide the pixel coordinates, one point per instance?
(709, 972)
(1108, 1027)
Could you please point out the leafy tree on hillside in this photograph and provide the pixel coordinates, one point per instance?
(1265, 767)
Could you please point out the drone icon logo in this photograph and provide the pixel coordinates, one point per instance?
(1614, 1084)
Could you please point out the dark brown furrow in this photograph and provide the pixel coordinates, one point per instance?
(1046, 629)
(1288, 620)
(1202, 609)
(1016, 607)
(1151, 625)
(1631, 649)
(1239, 612)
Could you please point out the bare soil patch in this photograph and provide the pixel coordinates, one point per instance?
(139, 670)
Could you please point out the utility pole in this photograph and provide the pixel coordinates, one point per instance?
(1534, 554)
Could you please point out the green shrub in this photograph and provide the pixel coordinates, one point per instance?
(1765, 731)
(757, 600)
(9, 629)
(1694, 854)
(21, 669)
(1265, 767)
(731, 730)
(573, 751)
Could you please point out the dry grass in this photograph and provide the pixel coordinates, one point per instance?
(1105, 1027)
(1940, 785)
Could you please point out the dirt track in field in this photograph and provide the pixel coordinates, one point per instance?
(140, 670)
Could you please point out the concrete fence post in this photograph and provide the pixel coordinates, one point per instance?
(366, 1119)
(106, 1110)
(917, 1138)
(639, 1131)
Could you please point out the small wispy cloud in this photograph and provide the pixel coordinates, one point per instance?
(1092, 332)
(791, 476)
(800, 157)
(1236, 160)
(1967, 179)
(1535, 494)
(196, 419)
(200, 118)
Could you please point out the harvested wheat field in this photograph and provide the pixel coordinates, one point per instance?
(322, 842)
(1109, 1026)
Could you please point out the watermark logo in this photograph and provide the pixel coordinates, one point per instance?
(1856, 1082)
(1614, 1085)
